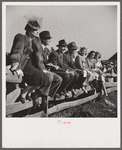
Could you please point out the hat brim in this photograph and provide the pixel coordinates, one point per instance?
(73, 48)
(48, 37)
(34, 28)
(61, 45)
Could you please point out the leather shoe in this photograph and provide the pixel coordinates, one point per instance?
(57, 96)
(21, 99)
(84, 90)
(28, 97)
(35, 100)
(64, 94)
(74, 93)
(67, 96)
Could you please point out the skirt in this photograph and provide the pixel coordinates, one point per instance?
(34, 76)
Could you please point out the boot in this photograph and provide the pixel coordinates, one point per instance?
(44, 104)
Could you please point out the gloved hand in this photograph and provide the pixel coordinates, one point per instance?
(14, 66)
(19, 73)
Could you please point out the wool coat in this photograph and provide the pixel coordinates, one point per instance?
(21, 52)
(68, 60)
(57, 59)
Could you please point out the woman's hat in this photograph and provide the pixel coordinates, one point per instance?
(45, 35)
(72, 46)
(62, 43)
(32, 25)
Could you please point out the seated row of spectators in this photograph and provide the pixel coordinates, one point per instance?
(51, 73)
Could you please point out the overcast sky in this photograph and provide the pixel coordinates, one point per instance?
(94, 27)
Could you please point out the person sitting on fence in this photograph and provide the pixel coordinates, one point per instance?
(21, 54)
(40, 59)
(110, 73)
(91, 63)
(81, 63)
(12, 79)
(112, 68)
(98, 63)
(56, 63)
(69, 63)
(99, 70)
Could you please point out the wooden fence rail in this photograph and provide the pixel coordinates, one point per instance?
(67, 105)
(18, 106)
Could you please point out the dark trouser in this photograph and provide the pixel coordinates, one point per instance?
(66, 80)
(73, 80)
(45, 90)
(57, 80)
(54, 86)
(80, 80)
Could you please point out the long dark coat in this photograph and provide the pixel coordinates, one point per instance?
(68, 61)
(57, 59)
(21, 52)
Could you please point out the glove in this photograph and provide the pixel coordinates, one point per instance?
(19, 73)
(14, 66)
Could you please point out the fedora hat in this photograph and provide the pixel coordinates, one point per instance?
(32, 25)
(72, 46)
(62, 43)
(45, 35)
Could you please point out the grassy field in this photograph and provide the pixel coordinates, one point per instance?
(95, 108)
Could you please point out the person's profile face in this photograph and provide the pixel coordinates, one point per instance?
(72, 51)
(62, 48)
(97, 56)
(83, 52)
(92, 55)
(34, 33)
(47, 41)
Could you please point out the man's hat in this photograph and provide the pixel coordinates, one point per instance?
(62, 43)
(45, 35)
(72, 46)
(32, 25)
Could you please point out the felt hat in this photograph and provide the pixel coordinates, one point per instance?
(62, 43)
(72, 46)
(32, 25)
(45, 35)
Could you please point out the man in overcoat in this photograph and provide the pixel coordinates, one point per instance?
(69, 62)
(69, 78)
(40, 59)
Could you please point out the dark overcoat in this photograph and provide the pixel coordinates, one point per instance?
(68, 61)
(57, 59)
(21, 52)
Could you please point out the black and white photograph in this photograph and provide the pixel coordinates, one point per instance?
(62, 64)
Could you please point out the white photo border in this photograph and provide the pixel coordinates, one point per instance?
(31, 131)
